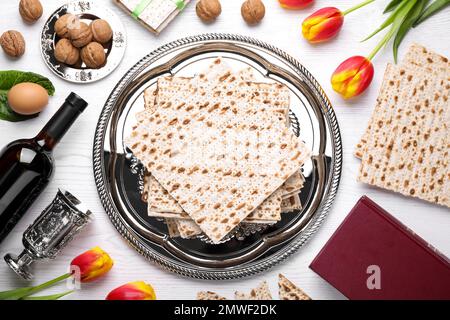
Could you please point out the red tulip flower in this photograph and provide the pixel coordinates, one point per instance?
(295, 4)
(137, 290)
(355, 74)
(325, 23)
(352, 77)
(92, 264)
(322, 25)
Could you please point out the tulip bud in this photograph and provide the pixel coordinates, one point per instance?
(352, 77)
(322, 25)
(92, 264)
(137, 290)
(295, 4)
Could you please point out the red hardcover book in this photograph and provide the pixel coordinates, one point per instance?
(372, 255)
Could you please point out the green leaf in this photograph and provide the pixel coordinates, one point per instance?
(10, 78)
(388, 21)
(49, 297)
(21, 293)
(7, 114)
(400, 17)
(15, 294)
(391, 6)
(409, 20)
(432, 9)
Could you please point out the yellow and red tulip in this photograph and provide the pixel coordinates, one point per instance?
(92, 264)
(325, 23)
(295, 4)
(322, 25)
(137, 290)
(352, 76)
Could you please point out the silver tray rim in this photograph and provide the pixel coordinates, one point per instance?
(201, 272)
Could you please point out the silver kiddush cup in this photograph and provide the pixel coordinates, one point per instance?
(50, 233)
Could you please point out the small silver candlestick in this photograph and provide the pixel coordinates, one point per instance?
(50, 233)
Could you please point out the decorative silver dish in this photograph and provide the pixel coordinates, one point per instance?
(118, 183)
(86, 11)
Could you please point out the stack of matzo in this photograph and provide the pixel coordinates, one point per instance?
(218, 152)
(407, 143)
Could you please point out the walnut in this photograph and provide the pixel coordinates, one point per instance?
(64, 24)
(81, 35)
(30, 10)
(93, 55)
(208, 10)
(13, 43)
(101, 31)
(66, 53)
(253, 11)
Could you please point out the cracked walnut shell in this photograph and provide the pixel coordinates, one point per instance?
(66, 53)
(81, 35)
(30, 10)
(101, 31)
(64, 24)
(93, 55)
(253, 11)
(208, 10)
(13, 43)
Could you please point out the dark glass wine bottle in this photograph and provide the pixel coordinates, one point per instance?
(26, 165)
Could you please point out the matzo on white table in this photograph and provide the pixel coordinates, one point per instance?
(280, 28)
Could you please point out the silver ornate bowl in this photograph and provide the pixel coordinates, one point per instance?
(118, 183)
(86, 11)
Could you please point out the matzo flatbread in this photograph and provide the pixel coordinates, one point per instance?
(172, 228)
(176, 165)
(160, 203)
(409, 154)
(203, 112)
(417, 56)
(270, 208)
(187, 229)
(261, 292)
(290, 204)
(180, 176)
(383, 106)
(289, 291)
(208, 295)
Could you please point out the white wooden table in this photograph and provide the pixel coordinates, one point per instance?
(280, 28)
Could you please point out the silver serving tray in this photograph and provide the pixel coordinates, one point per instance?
(118, 183)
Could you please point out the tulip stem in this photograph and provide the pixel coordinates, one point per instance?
(385, 39)
(398, 20)
(362, 4)
(49, 297)
(48, 284)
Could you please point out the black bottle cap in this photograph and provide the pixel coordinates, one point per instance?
(76, 101)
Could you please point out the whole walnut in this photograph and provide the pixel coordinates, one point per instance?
(64, 24)
(66, 53)
(253, 11)
(13, 43)
(101, 31)
(30, 10)
(93, 55)
(208, 10)
(81, 35)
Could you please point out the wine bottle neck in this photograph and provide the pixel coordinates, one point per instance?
(61, 122)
